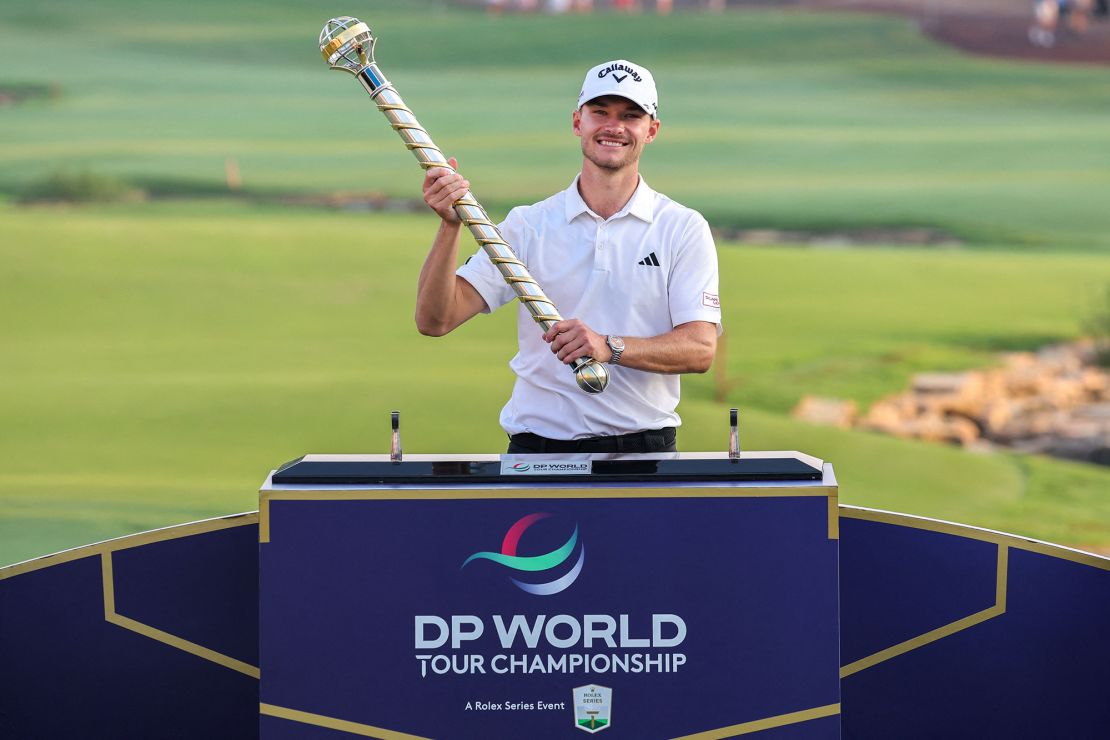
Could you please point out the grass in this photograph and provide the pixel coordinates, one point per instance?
(161, 357)
(857, 323)
(771, 117)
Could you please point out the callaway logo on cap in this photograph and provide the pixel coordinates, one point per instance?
(621, 77)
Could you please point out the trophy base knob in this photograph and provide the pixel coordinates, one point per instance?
(592, 376)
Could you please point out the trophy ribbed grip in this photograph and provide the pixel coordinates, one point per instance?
(470, 212)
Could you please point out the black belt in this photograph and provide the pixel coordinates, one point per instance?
(652, 440)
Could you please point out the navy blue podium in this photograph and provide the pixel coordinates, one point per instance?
(654, 596)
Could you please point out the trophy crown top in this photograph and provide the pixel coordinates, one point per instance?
(347, 44)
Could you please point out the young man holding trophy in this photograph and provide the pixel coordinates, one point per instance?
(637, 271)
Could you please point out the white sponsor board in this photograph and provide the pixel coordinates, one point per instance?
(547, 467)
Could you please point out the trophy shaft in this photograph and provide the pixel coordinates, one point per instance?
(349, 46)
(468, 209)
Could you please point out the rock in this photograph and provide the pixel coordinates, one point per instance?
(1098, 412)
(890, 414)
(1063, 391)
(1055, 401)
(826, 411)
(1096, 383)
(943, 383)
(950, 393)
(1061, 357)
(937, 428)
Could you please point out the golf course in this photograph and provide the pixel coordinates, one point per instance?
(172, 333)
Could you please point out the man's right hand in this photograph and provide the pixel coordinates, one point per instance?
(442, 187)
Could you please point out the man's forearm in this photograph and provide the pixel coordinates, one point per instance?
(688, 348)
(435, 290)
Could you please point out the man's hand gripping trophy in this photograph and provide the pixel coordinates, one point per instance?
(348, 45)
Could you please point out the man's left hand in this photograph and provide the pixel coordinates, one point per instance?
(571, 339)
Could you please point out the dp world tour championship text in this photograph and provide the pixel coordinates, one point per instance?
(561, 632)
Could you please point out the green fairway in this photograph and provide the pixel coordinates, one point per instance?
(771, 118)
(161, 357)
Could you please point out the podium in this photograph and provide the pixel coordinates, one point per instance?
(665, 595)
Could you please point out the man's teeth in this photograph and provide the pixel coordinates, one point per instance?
(611, 143)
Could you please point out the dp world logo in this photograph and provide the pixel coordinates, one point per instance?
(538, 564)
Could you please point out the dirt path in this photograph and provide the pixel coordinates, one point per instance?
(990, 27)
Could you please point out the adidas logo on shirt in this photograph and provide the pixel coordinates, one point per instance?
(651, 260)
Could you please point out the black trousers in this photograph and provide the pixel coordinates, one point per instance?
(652, 440)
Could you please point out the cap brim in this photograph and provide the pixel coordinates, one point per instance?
(645, 108)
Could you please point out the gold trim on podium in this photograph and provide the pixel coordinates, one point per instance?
(997, 610)
(131, 540)
(1017, 542)
(447, 494)
(767, 723)
(1004, 541)
(112, 616)
(105, 550)
(343, 725)
(357, 728)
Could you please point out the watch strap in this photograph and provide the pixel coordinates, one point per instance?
(617, 351)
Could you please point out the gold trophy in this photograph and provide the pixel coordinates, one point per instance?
(348, 45)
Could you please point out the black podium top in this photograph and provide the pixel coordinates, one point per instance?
(576, 468)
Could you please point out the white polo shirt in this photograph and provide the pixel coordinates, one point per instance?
(639, 273)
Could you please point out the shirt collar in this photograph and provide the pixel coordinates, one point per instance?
(641, 204)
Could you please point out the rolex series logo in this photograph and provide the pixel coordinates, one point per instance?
(593, 708)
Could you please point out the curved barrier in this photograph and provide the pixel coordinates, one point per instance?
(945, 631)
(154, 635)
(950, 631)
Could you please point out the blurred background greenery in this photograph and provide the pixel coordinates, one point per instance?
(174, 329)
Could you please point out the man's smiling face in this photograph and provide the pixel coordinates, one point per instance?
(614, 131)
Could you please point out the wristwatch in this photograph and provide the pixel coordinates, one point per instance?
(616, 346)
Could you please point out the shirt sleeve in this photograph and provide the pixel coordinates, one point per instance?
(693, 287)
(481, 273)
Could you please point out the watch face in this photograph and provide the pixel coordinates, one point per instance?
(616, 343)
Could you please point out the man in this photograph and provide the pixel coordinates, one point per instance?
(1048, 14)
(637, 271)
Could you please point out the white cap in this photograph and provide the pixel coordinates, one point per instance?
(621, 77)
